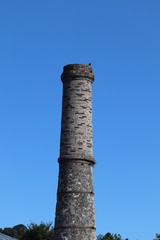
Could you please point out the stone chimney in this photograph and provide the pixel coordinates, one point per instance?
(75, 217)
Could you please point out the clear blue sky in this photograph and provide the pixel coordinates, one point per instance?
(122, 41)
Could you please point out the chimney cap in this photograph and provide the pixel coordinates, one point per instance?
(77, 72)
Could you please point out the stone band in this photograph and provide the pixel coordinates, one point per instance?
(64, 160)
(78, 191)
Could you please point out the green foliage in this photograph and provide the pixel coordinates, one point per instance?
(44, 231)
(100, 237)
(8, 231)
(39, 232)
(157, 236)
(110, 236)
(19, 230)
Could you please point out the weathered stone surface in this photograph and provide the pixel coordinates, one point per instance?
(75, 210)
(75, 218)
(76, 176)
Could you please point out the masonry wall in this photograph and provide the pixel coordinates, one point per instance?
(76, 133)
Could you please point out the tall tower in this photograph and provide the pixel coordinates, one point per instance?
(75, 218)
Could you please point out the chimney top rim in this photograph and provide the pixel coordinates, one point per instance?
(77, 71)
